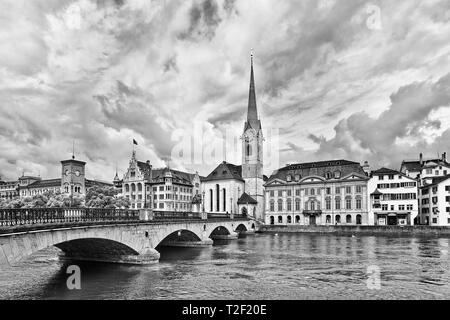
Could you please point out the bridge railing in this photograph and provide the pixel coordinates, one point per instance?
(165, 215)
(16, 217)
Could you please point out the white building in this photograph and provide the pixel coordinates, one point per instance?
(240, 188)
(435, 201)
(393, 198)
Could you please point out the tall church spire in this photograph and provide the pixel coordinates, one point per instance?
(252, 111)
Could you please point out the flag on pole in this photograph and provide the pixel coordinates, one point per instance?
(134, 142)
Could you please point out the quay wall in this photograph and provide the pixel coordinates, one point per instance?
(361, 230)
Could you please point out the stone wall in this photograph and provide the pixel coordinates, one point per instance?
(364, 230)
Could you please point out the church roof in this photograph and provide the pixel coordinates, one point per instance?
(225, 171)
(246, 199)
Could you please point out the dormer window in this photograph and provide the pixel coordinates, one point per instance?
(297, 177)
(329, 175)
(337, 174)
(289, 178)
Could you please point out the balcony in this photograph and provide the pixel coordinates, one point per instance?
(312, 212)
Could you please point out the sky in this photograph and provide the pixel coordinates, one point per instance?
(335, 79)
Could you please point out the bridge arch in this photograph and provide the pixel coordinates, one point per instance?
(181, 235)
(220, 231)
(241, 227)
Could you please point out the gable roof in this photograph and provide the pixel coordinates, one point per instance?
(225, 171)
(246, 199)
(44, 184)
(436, 181)
(414, 165)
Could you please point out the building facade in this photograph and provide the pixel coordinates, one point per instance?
(9, 189)
(393, 198)
(431, 175)
(162, 189)
(318, 193)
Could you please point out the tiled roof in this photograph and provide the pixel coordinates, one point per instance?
(246, 199)
(90, 183)
(414, 165)
(45, 184)
(145, 169)
(178, 176)
(320, 169)
(225, 171)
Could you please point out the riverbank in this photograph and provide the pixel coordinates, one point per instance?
(362, 230)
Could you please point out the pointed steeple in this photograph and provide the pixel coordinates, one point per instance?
(252, 111)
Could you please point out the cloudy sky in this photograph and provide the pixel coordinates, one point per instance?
(338, 79)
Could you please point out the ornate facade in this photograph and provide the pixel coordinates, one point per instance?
(318, 193)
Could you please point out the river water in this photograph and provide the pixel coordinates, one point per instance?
(263, 266)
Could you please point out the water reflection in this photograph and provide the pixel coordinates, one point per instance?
(287, 266)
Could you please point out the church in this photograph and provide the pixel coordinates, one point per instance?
(239, 189)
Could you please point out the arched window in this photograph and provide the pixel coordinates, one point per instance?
(328, 219)
(272, 220)
(288, 178)
(338, 219)
(139, 187)
(297, 219)
(312, 205)
(211, 194)
(217, 198)
(133, 187)
(248, 150)
(280, 205)
(329, 175)
(297, 177)
(224, 191)
(289, 219)
(348, 219)
(359, 219)
(127, 188)
(280, 219)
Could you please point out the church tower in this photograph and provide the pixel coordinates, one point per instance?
(252, 152)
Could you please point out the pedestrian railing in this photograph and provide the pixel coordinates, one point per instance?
(35, 216)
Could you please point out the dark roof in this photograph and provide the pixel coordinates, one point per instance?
(252, 111)
(145, 169)
(225, 171)
(377, 192)
(90, 183)
(414, 165)
(74, 161)
(45, 184)
(436, 181)
(320, 169)
(246, 199)
(385, 171)
(178, 177)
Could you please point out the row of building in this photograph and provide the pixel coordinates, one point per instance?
(72, 182)
(335, 192)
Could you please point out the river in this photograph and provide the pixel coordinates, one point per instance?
(263, 266)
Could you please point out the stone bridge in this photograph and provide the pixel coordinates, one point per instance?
(134, 242)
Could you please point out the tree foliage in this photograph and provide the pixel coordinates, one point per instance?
(106, 197)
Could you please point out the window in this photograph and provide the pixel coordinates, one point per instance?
(280, 205)
(289, 205)
(348, 190)
(358, 189)
(338, 203)
(401, 207)
(313, 192)
(409, 207)
(289, 193)
(348, 219)
(329, 175)
(328, 191)
(297, 177)
(297, 192)
(348, 204)
(384, 207)
(328, 220)
(272, 193)
(338, 190)
(358, 204)
(391, 177)
(328, 204)
(289, 219)
(429, 171)
(358, 219)
(280, 219)
(338, 219)
(280, 193)
(337, 174)
(297, 204)
(381, 177)
(289, 178)
(306, 192)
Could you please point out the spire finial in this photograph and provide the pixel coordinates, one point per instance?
(252, 113)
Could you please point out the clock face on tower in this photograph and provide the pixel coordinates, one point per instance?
(67, 172)
(77, 173)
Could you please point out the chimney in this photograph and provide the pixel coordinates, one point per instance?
(421, 159)
(444, 157)
(366, 168)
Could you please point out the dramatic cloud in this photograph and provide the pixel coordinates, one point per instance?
(337, 78)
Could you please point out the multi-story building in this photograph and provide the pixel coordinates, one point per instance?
(318, 193)
(431, 175)
(160, 189)
(434, 200)
(393, 198)
(73, 181)
(9, 189)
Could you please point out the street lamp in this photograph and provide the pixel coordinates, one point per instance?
(203, 201)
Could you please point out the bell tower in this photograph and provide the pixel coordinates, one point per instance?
(252, 152)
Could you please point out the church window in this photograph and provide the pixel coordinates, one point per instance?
(248, 150)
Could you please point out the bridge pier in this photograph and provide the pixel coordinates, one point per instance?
(148, 256)
(188, 244)
(231, 236)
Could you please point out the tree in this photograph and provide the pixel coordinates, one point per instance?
(106, 197)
